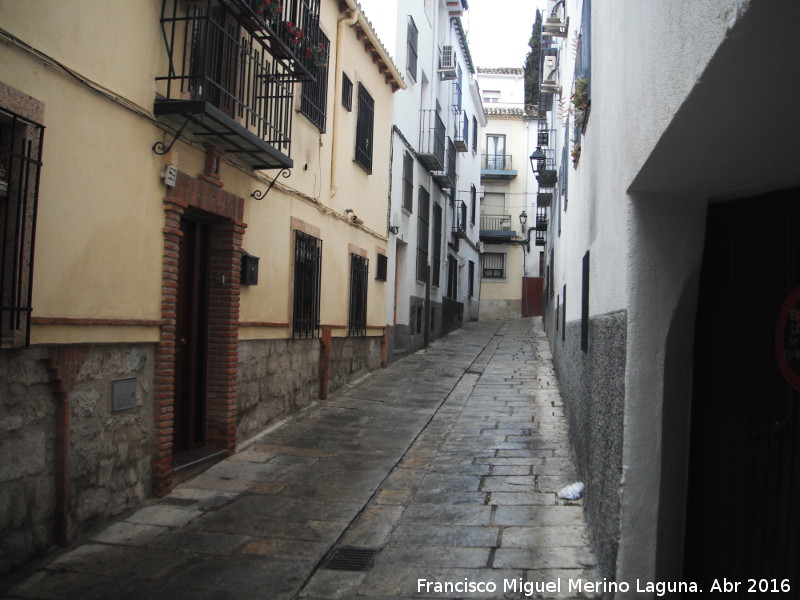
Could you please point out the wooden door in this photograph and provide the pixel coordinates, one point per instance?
(191, 335)
(743, 518)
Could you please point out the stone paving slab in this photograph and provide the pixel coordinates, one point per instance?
(446, 465)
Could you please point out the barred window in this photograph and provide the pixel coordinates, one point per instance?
(437, 245)
(408, 182)
(382, 270)
(452, 277)
(471, 279)
(364, 128)
(307, 279)
(412, 48)
(473, 203)
(347, 93)
(493, 265)
(423, 232)
(20, 160)
(474, 134)
(359, 270)
(313, 100)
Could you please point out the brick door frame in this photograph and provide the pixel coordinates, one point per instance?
(226, 213)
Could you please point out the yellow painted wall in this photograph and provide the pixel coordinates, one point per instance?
(99, 244)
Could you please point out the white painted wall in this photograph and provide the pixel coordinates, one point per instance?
(674, 88)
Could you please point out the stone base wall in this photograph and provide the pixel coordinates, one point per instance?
(109, 452)
(352, 358)
(279, 377)
(276, 379)
(593, 388)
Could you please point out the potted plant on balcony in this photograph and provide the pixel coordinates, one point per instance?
(317, 56)
(292, 38)
(268, 10)
(576, 155)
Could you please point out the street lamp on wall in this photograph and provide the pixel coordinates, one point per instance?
(538, 155)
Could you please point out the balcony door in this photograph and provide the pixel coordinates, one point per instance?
(495, 151)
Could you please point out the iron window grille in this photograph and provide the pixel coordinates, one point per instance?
(412, 48)
(437, 245)
(364, 128)
(471, 283)
(493, 265)
(313, 100)
(422, 234)
(475, 134)
(359, 270)
(408, 182)
(473, 203)
(20, 163)
(347, 93)
(452, 277)
(307, 282)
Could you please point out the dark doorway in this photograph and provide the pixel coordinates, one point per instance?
(191, 334)
(743, 518)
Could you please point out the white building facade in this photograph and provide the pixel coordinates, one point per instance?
(672, 283)
(434, 285)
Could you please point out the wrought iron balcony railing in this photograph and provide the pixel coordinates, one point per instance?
(231, 70)
(461, 137)
(446, 178)
(496, 223)
(541, 218)
(459, 228)
(431, 141)
(497, 162)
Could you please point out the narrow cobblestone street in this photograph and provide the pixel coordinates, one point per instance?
(445, 466)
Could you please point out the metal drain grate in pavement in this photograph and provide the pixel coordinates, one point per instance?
(350, 559)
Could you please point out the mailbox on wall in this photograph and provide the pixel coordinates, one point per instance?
(249, 269)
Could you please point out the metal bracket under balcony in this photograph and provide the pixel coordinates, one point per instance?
(497, 166)
(210, 124)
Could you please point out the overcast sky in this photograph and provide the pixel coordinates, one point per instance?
(498, 30)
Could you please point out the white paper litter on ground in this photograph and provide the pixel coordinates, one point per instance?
(572, 491)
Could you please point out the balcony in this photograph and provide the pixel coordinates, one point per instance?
(432, 135)
(446, 178)
(230, 74)
(461, 137)
(497, 166)
(541, 219)
(547, 178)
(496, 229)
(541, 238)
(459, 229)
(544, 199)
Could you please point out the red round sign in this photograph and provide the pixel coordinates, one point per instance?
(787, 339)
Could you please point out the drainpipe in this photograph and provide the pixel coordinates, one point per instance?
(344, 21)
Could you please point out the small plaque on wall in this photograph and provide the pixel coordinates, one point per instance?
(123, 394)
